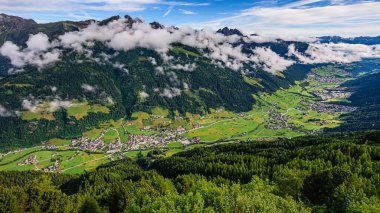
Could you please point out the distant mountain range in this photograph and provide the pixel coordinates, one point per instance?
(354, 40)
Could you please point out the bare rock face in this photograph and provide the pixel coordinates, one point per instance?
(8, 22)
(156, 25)
(17, 29)
(128, 20)
(108, 20)
(227, 32)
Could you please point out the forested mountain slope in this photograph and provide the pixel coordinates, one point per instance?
(42, 102)
(366, 97)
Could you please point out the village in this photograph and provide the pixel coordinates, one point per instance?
(278, 121)
(331, 94)
(328, 93)
(115, 149)
(134, 142)
(328, 108)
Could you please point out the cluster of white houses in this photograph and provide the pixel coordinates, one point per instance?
(86, 144)
(52, 168)
(117, 147)
(32, 160)
(331, 109)
(134, 142)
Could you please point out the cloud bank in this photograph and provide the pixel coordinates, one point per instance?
(269, 60)
(33, 104)
(226, 51)
(120, 36)
(335, 53)
(36, 53)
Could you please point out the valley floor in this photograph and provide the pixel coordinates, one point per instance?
(306, 108)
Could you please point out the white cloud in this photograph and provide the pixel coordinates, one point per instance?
(118, 65)
(143, 95)
(159, 70)
(73, 6)
(36, 53)
(54, 89)
(269, 61)
(187, 12)
(170, 92)
(88, 88)
(38, 42)
(5, 112)
(185, 86)
(222, 50)
(119, 36)
(34, 105)
(186, 67)
(30, 104)
(173, 78)
(335, 53)
(15, 70)
(12, 51)
(57, 104)
(263, 39)
(168, 11)
(153, 61)
(302, 3)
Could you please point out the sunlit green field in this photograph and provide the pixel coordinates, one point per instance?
(72, 161)
(252, 126)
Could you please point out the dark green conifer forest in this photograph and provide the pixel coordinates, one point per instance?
(331, 173)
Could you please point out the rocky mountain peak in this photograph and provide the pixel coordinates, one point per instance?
(8, 22)
(156, 25)
(108, 20)
(227, 32)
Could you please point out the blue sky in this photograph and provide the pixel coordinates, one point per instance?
(269, 17)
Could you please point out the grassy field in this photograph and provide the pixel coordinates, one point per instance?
(28, 115)
(134, 154)
(76, 109)
(178, 50)
(81, 110)
(224, 125)
(171, 152)
(174, 145)
(59, 142)
(72, 161)
(133, 129)
(94, 133)
(223, 129)
(83, 162)
(110, 136)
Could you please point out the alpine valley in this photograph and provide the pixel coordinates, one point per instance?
(190, 112)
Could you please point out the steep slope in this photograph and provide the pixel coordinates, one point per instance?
(366, 98)
(17, 30)
(45, 100)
